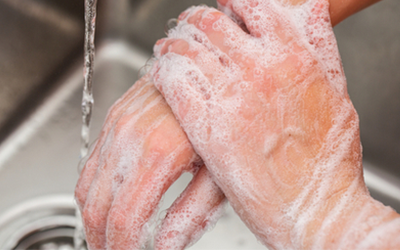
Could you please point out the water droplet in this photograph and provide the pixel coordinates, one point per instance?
(143, 71)
(147, 67)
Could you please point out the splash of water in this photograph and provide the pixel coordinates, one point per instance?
(87, 102)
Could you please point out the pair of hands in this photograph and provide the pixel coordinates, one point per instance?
(262, 104)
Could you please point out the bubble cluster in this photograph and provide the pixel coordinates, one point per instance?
(141, 151)
(265, 105)
(193, 213)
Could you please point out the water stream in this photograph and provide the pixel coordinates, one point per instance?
(87, 98)
(87, 102)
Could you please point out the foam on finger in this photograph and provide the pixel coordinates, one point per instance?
(275, 126)
(91, 163)
(151, 151)
(309, 21)
(192, 214)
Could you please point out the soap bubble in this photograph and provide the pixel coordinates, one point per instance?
(171, 23)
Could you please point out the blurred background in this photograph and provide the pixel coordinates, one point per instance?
(41, 61)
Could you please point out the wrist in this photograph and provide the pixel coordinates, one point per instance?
(340, 10)
(349, 220)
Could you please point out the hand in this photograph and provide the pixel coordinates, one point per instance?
(141, 151)
(340, 10)
(100, 211)
(269, 114)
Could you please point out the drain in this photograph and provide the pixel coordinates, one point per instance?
(60, 238)
(43, 223)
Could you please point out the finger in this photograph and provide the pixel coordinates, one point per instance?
(321, 39)
(192, 214)
(221, 32)
(212, 64)
(266, 19)
(221, 77)
(211, 36)
(90, 168)
(307, 25)
(122, 144)
(178, 78)
(258, 16)
(177, 46)
(338, 9)
(138, 198)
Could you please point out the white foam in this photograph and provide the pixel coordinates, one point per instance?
(193, 213)
(226, 111)
(386, 234)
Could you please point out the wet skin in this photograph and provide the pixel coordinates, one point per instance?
(269, 114)
(118, 193)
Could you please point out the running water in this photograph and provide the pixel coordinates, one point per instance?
(87, 103)
(87, 99)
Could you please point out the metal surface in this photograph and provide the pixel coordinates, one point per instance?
(41, 62)
(38, 222)
(369, 43)
(37, 42)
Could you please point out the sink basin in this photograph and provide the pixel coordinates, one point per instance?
(41, 81)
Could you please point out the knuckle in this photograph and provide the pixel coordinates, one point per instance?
(117, 220)
(93, 219)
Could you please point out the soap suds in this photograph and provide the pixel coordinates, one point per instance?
(226, 109)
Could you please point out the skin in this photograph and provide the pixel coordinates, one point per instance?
(118, 193)
(338, 9)
(285, 147)
(342, 9)
(108, 199)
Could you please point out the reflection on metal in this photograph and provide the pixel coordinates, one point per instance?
(381, 182)
(45, 220)
(46, 14)
(39, 118)
(39, 158)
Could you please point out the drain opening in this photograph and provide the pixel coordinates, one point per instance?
(43, 223)
(60, 238)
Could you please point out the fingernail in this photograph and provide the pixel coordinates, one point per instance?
(179, 47)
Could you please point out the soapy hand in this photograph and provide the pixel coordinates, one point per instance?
(141, 151)
(118, 194)
(266, 107)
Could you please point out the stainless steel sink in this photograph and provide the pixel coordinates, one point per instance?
(41, 79)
